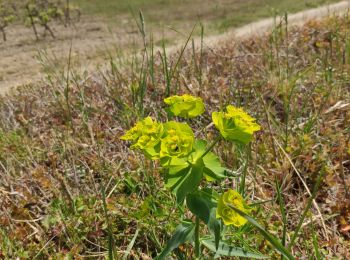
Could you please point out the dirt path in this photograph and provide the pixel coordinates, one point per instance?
(20, 64)
(264, 25)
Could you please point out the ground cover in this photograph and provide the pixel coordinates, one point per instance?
(61, 155)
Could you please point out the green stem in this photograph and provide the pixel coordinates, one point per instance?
(242, 184)
(217, 139)
(308, 206)
(109, 228)
(196, 239)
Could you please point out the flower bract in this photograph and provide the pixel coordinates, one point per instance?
(227, 214)
(235, 124)
(146, 136)
(186, 106)
(177, 140)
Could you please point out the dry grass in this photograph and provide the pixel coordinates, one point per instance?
(59, 146)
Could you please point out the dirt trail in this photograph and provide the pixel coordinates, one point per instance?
(19, 63)
(262, 26)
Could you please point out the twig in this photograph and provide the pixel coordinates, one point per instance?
(44, 247)
(27, 220)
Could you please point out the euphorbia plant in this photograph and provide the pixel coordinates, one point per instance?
(187, 162)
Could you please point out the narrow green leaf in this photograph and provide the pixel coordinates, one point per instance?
(308, 206)
(131, 244)
(183, 233)
(318, 255)
(272, 239)
(215, 227)
(227, 250)
(283, 211)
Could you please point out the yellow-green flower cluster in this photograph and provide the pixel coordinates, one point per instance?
(158, 141)
(235, 124)
(186, 106)
(227, 214)
(177, 140)
(146, 136)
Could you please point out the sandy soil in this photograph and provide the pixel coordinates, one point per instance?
(22, 58)
(20, 61)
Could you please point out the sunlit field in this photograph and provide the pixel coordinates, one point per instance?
(121, 146)
(98, 28)
(218, 14)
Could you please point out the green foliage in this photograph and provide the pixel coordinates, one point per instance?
(269, 237)
(7, 16)
(186, 162)
(203, 204)
(42, 12)
(224, 249)
(13, 142)
(37, 12)
(183, 233)
(184, 175)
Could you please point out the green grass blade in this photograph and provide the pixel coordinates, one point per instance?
(109, 228)
(227, 250)
(182, 52)
(315, 243)
(283, 211)
(309, 203)
(269, 237)
(183, 233)
(131, 244)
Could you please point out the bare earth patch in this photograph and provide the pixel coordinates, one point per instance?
(19, 56)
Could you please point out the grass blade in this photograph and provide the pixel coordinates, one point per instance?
(227, 250)
(109, 228)
(314, 192)
(183, 233)
(283, 211)
(269, 237)
(131, 244)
